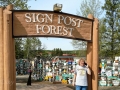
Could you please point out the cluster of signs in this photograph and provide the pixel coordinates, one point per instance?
(110, 73)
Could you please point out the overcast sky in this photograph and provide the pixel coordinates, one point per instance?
(69, 6)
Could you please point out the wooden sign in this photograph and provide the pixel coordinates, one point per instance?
(51, 24)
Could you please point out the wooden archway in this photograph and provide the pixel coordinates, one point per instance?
(7, 51)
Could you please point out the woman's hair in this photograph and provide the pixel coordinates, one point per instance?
(81, 59)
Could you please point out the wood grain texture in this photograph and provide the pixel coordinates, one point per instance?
(95, 56)
(8, 51)
(90, 58)
(23, 28)
(1, 51)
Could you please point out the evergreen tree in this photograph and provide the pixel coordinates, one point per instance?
(57, 52)
(60, 52)
(112, 34)
(53, 52)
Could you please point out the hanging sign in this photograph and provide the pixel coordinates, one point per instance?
(51, 24)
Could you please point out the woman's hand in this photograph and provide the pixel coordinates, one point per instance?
(74, 79)
(88, 71)
(73, 83)
(87, 66)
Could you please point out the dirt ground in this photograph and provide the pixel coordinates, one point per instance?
(21, 84)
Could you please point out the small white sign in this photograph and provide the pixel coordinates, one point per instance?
(103, 83)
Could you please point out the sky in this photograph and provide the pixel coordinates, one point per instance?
(69, 6)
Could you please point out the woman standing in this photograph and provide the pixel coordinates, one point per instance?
(80, 76)
(29, 79)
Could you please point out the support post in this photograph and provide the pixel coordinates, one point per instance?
(90, 58)
(95, 55)
(1, 51)
(8, 53)
(13, 63)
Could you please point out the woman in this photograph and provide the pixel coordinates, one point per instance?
(80, 76)
(29, 79)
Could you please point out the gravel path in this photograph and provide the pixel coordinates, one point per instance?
(45, 85)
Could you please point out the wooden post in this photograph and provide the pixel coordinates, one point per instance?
(8, 53)
(1, 51)
(95, 56)
(13, 62)
(89, 62)
(89, 58)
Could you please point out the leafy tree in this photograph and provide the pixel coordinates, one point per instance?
(111, 42)
(90, 7)
(81, 45)
(87, 7)
(18, 5)
(32, 47)
(19, 48)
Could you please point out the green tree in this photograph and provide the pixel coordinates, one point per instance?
(81, 46)
(53, 52)
(27, 47)
(90, 7)
(102, 50)
(36, 46)
(18, 5)
(112, 30)
(60, 52)
(57, 52)
(32, 47)
(87, 7)
(19, 49)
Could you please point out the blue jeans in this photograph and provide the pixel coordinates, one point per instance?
(81, 87)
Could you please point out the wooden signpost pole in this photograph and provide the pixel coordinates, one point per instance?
(89, 62)
(1, 51)
(9, 83)
(92, 56)
(89, 58)
(13, 63)
(95, 56)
